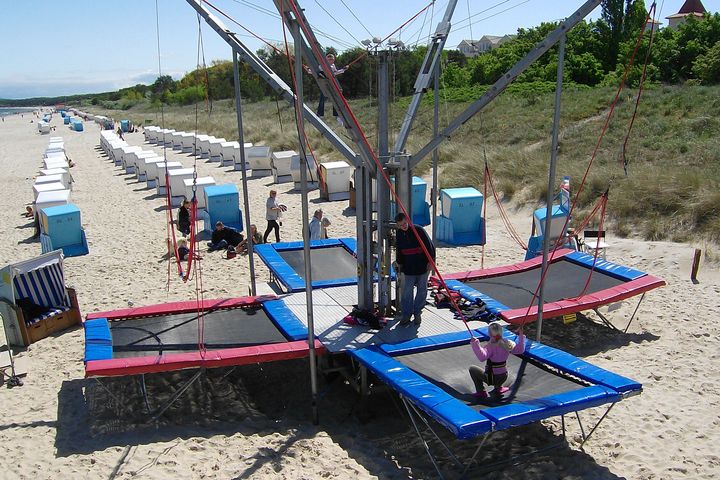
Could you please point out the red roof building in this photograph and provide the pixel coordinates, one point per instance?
(690, 8)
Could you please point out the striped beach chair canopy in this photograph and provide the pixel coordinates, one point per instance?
(41, 281)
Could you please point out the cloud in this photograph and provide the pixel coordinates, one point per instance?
(18, 87)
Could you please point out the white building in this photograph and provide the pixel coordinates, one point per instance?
(473, 48)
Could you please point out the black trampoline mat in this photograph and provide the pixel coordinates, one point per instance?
(328, 263)
(230, 328)
(447, 368)
(565, 279)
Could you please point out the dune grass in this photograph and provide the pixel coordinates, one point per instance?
(670, 191)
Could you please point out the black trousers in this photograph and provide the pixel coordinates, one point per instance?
(272, 225)
(480, 377)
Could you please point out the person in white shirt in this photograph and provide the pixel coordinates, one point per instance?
(272, 213)
(335, 71)
(316, 225)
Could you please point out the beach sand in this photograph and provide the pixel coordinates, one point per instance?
(255, 422)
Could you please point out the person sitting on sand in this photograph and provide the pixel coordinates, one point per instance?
(255, 237)
(224, 237)
(28, 212)
(183, 250)
(495, 353)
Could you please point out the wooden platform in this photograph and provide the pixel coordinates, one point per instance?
(331, 305)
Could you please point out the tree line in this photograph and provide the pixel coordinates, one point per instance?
(596, 53)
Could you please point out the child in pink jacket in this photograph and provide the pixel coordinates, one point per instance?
(494, 353)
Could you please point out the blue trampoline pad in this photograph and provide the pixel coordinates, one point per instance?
(327, 263)
(447, 368)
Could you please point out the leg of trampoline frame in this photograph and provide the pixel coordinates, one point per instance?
(143, 391)
(107, 390)
(586, 438)
(176, 395)
(605, 321)
(477, 451)
(427, 425)
(427, 447)
(363, 381)
(519, 458)
(642, 297)
(582, 429)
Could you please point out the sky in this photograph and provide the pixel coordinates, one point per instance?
(54, 47)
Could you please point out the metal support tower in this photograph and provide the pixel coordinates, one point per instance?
(382, 247)
(399, 163)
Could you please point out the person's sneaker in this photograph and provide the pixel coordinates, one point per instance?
(482, 394)
(418, 320)
(403, 321)
(498, 392)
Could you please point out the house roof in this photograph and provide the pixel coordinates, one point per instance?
(683, 15)
(491, 38)
(692, 6)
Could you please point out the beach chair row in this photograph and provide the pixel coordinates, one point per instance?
(57, 220)
(260, 160)
(215, 202)
(151, 168)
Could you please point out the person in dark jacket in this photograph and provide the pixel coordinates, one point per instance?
(415, 267)
(224, 237)
(183, 221)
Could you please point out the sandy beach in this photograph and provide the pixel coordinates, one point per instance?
(254, 421)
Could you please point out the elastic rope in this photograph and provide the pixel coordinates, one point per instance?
(640, 87)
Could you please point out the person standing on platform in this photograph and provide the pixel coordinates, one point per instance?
(415, 268)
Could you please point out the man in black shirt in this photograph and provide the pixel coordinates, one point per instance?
(415, 267)
(224, 237)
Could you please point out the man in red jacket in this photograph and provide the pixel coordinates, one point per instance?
(415, 267)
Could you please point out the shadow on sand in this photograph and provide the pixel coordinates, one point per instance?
(585, 337)
(275, 398)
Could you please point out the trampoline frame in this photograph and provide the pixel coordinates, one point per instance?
(636, 283)
(99, 360)
(284, 275)
(98, 345)
(414, 412)
(429, 400)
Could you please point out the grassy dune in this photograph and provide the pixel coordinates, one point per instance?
(670, 192)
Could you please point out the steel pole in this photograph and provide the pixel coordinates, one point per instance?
(435, 156)
(551, 183)
(383, 190)
(246, 200)
(306, 226)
